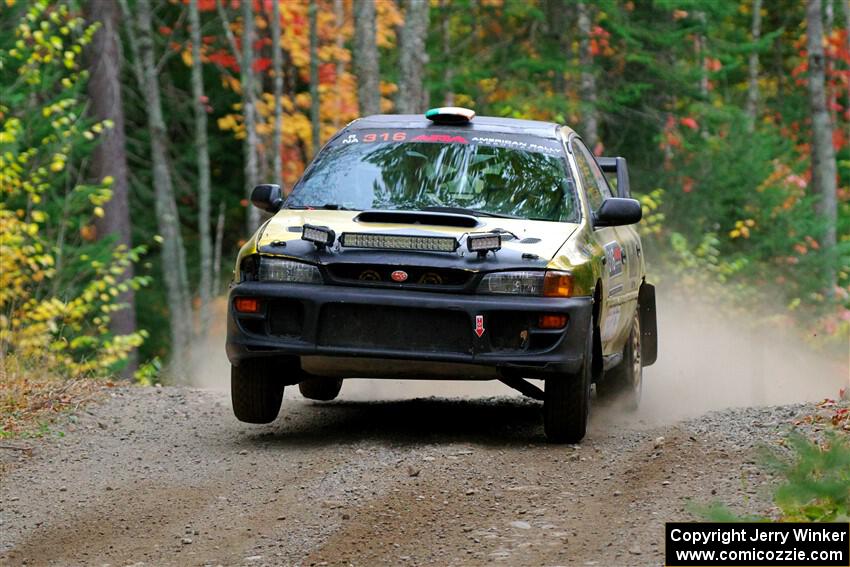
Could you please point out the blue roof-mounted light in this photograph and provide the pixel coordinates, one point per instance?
(450, 115)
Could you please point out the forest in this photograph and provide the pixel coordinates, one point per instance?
(132, 131)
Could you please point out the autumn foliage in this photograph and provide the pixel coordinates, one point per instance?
(58, 289)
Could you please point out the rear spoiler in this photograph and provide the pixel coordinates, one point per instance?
(618, 166)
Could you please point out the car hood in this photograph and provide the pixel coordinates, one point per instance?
(539, 238)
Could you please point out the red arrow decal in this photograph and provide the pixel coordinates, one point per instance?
(479, 325)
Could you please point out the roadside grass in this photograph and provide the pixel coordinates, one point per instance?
(32, 399)
(811, 467)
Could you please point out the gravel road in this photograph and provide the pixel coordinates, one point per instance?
(167, 476)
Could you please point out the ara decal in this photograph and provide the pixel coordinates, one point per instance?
(443, 138)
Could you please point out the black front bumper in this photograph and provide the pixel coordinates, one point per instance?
(331, 320)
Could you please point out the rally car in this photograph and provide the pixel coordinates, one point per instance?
(446, 246)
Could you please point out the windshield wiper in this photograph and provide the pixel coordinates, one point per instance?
(326, 207)
(473, 212)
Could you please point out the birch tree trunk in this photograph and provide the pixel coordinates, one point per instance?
(219, 238)
(753, 81)
(588, 93)
(366, 58)
(168, 224)
(110, 157)
(312, 13)
(248, 94)
(823, 153)
(200, 106)
(412, 58)
(277, 69)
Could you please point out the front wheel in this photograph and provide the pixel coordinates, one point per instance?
(256, 390)
(566, 401)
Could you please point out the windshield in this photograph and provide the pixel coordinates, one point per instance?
(365, 172)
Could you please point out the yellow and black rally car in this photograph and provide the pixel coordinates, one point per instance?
(446, 246)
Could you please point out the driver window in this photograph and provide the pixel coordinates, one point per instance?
(592, 177)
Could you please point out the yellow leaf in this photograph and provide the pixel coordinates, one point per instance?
(227, 122)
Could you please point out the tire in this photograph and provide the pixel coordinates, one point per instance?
(256, 390)
(624, 382)
(566, 401)
(321, 389)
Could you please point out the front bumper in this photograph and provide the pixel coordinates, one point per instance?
(343, 321)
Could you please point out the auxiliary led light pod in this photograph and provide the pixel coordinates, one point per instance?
(483, 243)
(319, 235)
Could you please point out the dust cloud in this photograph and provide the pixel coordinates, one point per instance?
(707, 360)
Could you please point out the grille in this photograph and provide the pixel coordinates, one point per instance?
(395, 328)
(416, 275)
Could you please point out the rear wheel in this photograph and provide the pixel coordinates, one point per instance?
(624, 382)
(321, 389)
(256, 390)
(566, 401)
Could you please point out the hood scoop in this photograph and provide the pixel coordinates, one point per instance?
(418, 217)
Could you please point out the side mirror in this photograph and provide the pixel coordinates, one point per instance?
(617, 166)
(617, 211)
(267, 197)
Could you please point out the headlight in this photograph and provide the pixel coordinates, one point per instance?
(276, 270)
(549, 283)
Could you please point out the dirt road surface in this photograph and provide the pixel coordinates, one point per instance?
(407, 473)
(166, 476)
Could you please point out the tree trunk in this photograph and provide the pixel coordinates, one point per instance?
(701, 49)
(312, 12)
(846, 6)
(412, 58)
(753, 83)
(219, 238)
(109, 157)
(823, 153)
(205, 285)
(588, 94)
(446, 45)
(247, 79)
(557, 33)
(366, 58)
(339, 16)
(168, 224)
(277, 68)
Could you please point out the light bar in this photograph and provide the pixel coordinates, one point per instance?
(450, 115)
(398, 242)
(319, 235)
(483, 243)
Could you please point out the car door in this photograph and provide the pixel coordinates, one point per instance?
(615, 269)
(629, 238)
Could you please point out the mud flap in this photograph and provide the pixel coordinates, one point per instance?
(648, 325)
